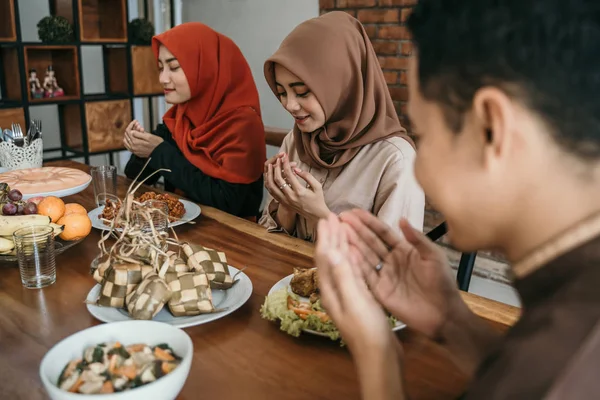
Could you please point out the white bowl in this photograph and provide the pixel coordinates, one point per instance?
(126, 332)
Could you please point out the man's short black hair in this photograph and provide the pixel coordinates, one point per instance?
(546, 53)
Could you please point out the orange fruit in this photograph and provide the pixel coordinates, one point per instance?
(52, 207)
(74, 208)
(77, 226)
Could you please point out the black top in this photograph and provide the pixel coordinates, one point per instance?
(242, 200)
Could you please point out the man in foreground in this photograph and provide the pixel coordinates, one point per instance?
(503, 99)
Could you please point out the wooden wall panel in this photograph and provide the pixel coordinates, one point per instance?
(106, 123)
(9, 116)
(8, 31)
(116, 61)
(64, 8)
(71, 120)
(12, 74)
(145, 71)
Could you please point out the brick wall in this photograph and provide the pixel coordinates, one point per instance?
(384, 22)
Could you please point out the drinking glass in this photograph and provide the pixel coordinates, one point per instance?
(35, 252)
(104, 179)
(159, 215)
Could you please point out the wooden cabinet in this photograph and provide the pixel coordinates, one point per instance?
(105, 124)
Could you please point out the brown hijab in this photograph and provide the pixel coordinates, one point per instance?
(333, 56)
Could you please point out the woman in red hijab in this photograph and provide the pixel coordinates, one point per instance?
(212, 138)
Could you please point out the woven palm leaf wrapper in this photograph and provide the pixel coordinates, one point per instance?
(134, 254)
(176, 263)
(154, 275)
(118, 281)
(148, 298)
(211, 262)
(191, 293)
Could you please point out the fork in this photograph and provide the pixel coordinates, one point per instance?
(37, 133)
(18, 135)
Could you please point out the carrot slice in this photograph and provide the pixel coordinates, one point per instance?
(113, 364)
(134, 348)
(163, 355)
(167, 367)
(76, 385)
(128, 371)
(118, 344)
(107, 387)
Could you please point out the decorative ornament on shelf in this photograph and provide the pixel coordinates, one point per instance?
(34, 85)
(55, 30)
(140, 31)
(51, 84)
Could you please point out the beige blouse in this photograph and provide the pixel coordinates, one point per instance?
(379, 179)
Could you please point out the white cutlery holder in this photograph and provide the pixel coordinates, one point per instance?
(15, 157)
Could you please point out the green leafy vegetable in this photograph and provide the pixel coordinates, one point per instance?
(120, 351)
(275, 308)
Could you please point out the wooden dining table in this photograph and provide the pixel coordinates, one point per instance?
(240, 356)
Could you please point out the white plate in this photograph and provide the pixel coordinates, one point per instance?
(192, 211)
(60, 193)
(285, 282)
(230, 299)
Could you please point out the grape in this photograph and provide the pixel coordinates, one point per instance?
(29, 209)
(20, 209)
(15, 195)
(9, 209)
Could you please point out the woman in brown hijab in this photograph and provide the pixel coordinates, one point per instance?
(347, 148)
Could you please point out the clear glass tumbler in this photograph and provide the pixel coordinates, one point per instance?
(35, 252)
(159, 213)
(104, 180)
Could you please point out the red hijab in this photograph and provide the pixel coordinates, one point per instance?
(219, 129)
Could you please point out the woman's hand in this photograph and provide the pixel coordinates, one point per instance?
(281, 180)
(138, 141)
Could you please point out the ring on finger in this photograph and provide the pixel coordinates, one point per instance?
(379, 267)
(283, 186)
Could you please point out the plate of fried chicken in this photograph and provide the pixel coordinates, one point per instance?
(180, 211)
(304, 300)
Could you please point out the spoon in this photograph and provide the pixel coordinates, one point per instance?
(8, 136)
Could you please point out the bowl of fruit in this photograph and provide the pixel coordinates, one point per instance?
(69, 221)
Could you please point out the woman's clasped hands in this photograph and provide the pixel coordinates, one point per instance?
(281, 180)
(140, 142)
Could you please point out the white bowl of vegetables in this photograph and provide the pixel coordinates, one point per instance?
(119, 361)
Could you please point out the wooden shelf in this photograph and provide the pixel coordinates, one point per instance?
(106, 122)
(9, 116)
(145, 71)
(129, 74)
(103, 24)
(116, 65)
(9, 57)
(63, 8)
(8, 31)
(64, 61)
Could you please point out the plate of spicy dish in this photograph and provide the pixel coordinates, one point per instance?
(180, 211)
